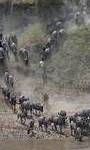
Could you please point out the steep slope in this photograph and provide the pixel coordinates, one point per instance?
(71, 65)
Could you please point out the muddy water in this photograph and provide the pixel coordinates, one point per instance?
(31, 145)
(44, 145)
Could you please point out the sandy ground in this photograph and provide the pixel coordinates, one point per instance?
(32, 87)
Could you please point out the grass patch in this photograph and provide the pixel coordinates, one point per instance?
(81, 38)
(71, 64)
(33, 34)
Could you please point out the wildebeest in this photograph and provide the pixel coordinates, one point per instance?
(79, 18)
(26, 106)
(24, 55)
(6, 93)
(45, 53)
(37, 108)
(30, 126)
(85, 113)
(13, 101)
(6, 78)
(59, 121)
(42, 63)
(82, 122)
(78, 134)
(6, 48)
(23, 99)
(12, 39)
(9, 80)
(22, 116)
(55, 24)
(1, 37)
(43, 121)
(2, 55)
(13, 48)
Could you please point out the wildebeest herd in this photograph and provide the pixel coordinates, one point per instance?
(79, 123)
(55, 30)
(34, 114)
(8, 45)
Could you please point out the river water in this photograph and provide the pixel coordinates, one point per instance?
(69, 144)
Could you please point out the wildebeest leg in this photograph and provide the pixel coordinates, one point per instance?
(71, 130)
(74, 131)
(23, 120)
(52, 126)
(55, 126)
(60, 126)
(30, 112)
(14, 108)
(35, 111)
(80, 138)
(39, 112)
(76, 135)
(40, 127)
(28, 131)
(46, 126)
(18, 117)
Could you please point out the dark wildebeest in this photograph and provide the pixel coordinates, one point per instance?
(64, 116)
(6, 93)
(12, 39)
(26, 106)
(24, 55)
(11, 81)
(13, 48)
(6, 78)
(2, 55)
(78, 134)
(37, 108)
(72, 128)
(13, 102)
(30, 126)
(6, 48)
(80, 120)
(22, 116)
(58, 121)
(23, 99)
(43, 121)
